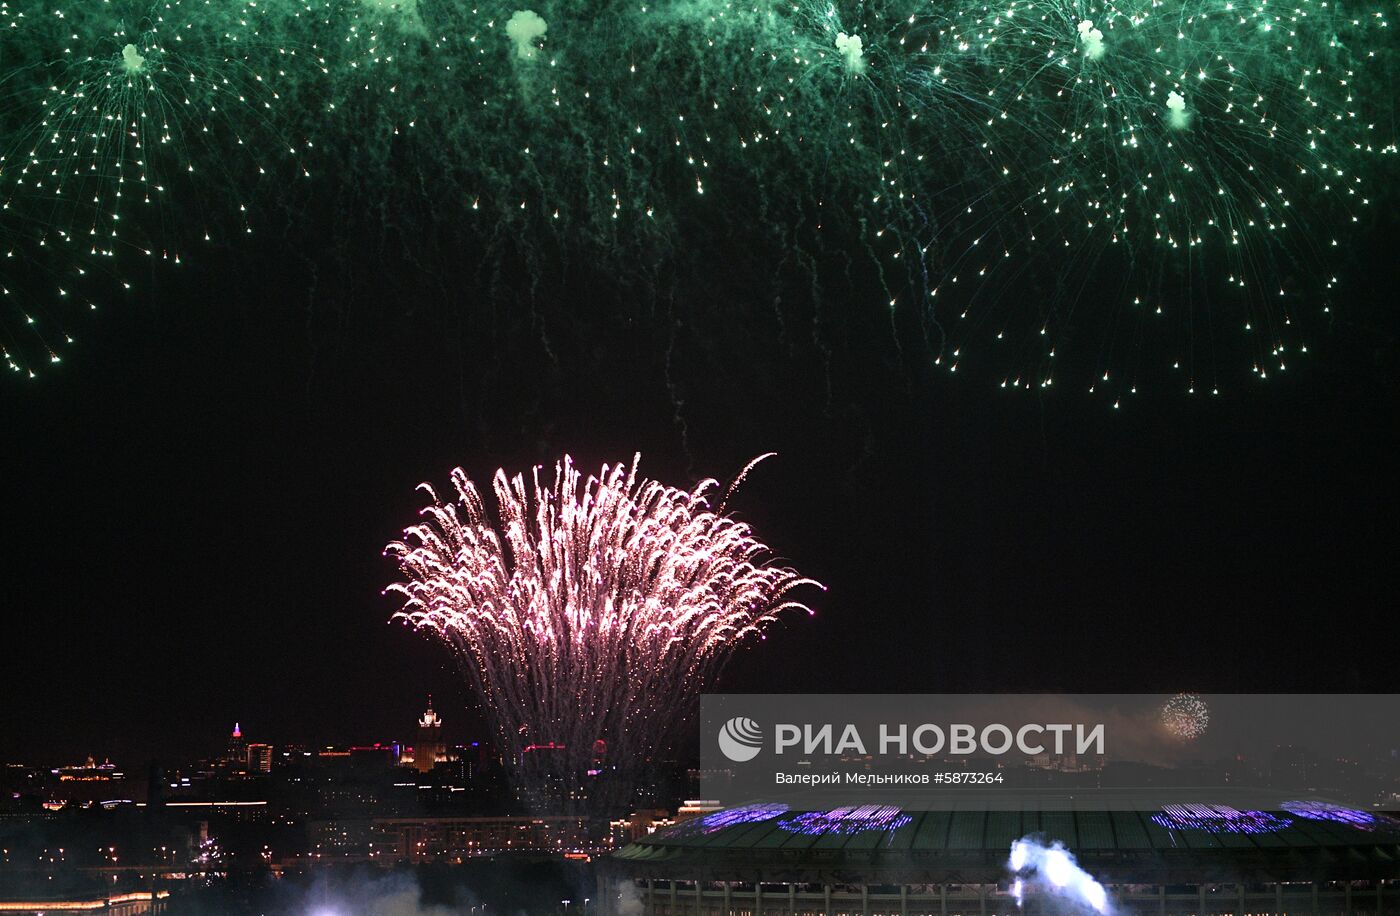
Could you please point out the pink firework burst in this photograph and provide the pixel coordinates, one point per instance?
(588, 612)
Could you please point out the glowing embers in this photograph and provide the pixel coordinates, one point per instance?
(1218, 819)
(1052, 869)
(1187, 146)
(730, 817)
(846, 821)
(1327, 811)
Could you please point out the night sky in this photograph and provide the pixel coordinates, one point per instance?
(196, 502)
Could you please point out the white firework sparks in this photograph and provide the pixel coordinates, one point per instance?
(587, 610)
(1186, 716)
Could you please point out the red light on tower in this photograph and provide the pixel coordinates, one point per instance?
(236, 757)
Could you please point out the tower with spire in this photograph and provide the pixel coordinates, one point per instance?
(237, 756)
(429, 750)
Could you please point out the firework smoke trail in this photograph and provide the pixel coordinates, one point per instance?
(586, 610)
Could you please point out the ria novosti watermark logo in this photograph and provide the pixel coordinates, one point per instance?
(1114, 751)
(740, 739)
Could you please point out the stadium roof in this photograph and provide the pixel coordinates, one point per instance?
(1180, 843)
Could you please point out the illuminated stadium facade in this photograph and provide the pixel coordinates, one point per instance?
(767, 860)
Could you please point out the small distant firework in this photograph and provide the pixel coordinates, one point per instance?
(1186, 716)
(1218, 819)
(587, 610)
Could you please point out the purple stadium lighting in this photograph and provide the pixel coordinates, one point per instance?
(847, 821)
(1327, 811)
(1218, 819)
(732, 817)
